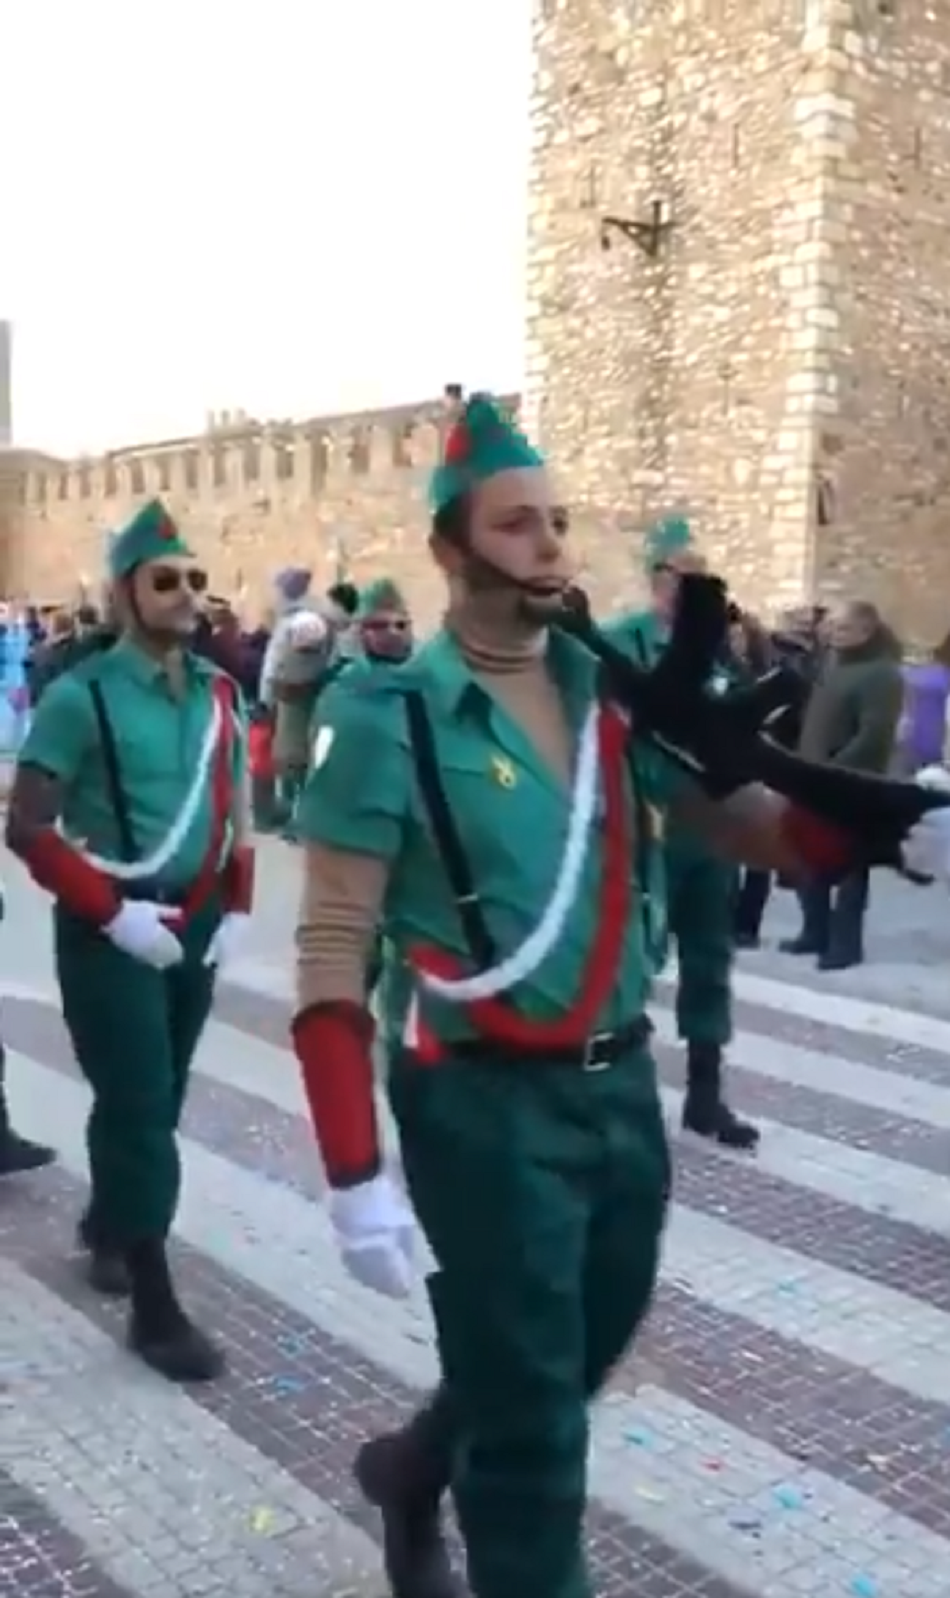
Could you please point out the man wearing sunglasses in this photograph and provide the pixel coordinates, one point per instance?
(383, 624)
(128, 806)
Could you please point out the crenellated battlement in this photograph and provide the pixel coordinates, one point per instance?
(342, 494)
(238, 457)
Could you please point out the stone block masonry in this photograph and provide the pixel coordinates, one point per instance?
(344, 494)
(780, 365)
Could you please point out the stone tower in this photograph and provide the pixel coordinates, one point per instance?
(6, 384)
(739, 287)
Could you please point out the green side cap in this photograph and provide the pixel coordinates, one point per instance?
(667, 538)
(483, 442)
(150, 535)
(381, 594)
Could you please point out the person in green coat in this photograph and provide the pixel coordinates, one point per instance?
(129, 807)
(701, 885)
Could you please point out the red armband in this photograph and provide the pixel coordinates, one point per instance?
(821, 849)
(62, 871)
(238, 881)
(334, 1044)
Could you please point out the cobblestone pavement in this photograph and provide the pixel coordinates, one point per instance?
(783, 1431)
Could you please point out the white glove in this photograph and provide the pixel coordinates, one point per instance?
(141, 930)
(306, 630)
(375, 1233)
(926, 849)
(229, 939)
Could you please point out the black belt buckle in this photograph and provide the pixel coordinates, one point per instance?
(597, 1054)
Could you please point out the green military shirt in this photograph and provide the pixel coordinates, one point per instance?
(511, 810)
(159, 740)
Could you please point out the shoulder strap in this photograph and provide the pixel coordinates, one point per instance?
(641, 810)
(451, 849)
(110, 756)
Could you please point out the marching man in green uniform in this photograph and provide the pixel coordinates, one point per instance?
(383, 623)
(129, 807)
(381, 635)
(700, 883)
(505, 830)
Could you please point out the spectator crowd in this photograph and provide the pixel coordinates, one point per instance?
(863, 706)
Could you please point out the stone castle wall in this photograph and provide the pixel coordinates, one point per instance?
(780, 365)
(345, 495)
(883, 443)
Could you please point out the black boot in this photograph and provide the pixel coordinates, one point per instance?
(405, 1475)
(106, 1269)
(845, 947)
(17, 1154)
(705, 1112)
(159, 1330)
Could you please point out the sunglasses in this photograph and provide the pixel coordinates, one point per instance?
(170, 579)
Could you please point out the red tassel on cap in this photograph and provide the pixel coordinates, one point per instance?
(457, 445)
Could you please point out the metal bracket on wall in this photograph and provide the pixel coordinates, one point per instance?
(648, 235)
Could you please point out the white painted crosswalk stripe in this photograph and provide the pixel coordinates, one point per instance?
(114, 1422)
(755, 1516)
(770, 1518)
(866, 1017)
(863, 1017)
(870, 1182)
(828, 1073)
(281, 1243)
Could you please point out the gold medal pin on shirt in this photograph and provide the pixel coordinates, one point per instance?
(503, 771)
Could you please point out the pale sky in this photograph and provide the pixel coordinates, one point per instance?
(290, 207)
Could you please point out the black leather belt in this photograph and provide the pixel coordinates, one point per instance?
(601, 1050)
(153, 893)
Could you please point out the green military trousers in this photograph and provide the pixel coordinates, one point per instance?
(700, 908)
(542, 1191)
(134, 1032)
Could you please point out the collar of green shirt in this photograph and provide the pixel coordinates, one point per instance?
(458, 689)
(144, 668)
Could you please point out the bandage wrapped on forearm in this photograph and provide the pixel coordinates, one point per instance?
(333, 1030)
(80, 886)
(857, 818)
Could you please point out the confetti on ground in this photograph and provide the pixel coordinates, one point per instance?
(864, 1587)
(262, 1520)
(748, 1523)
(286, 1386)
(639, 1437)
(789, 1498)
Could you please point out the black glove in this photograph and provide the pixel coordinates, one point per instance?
(665, 699)
(718, 741)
